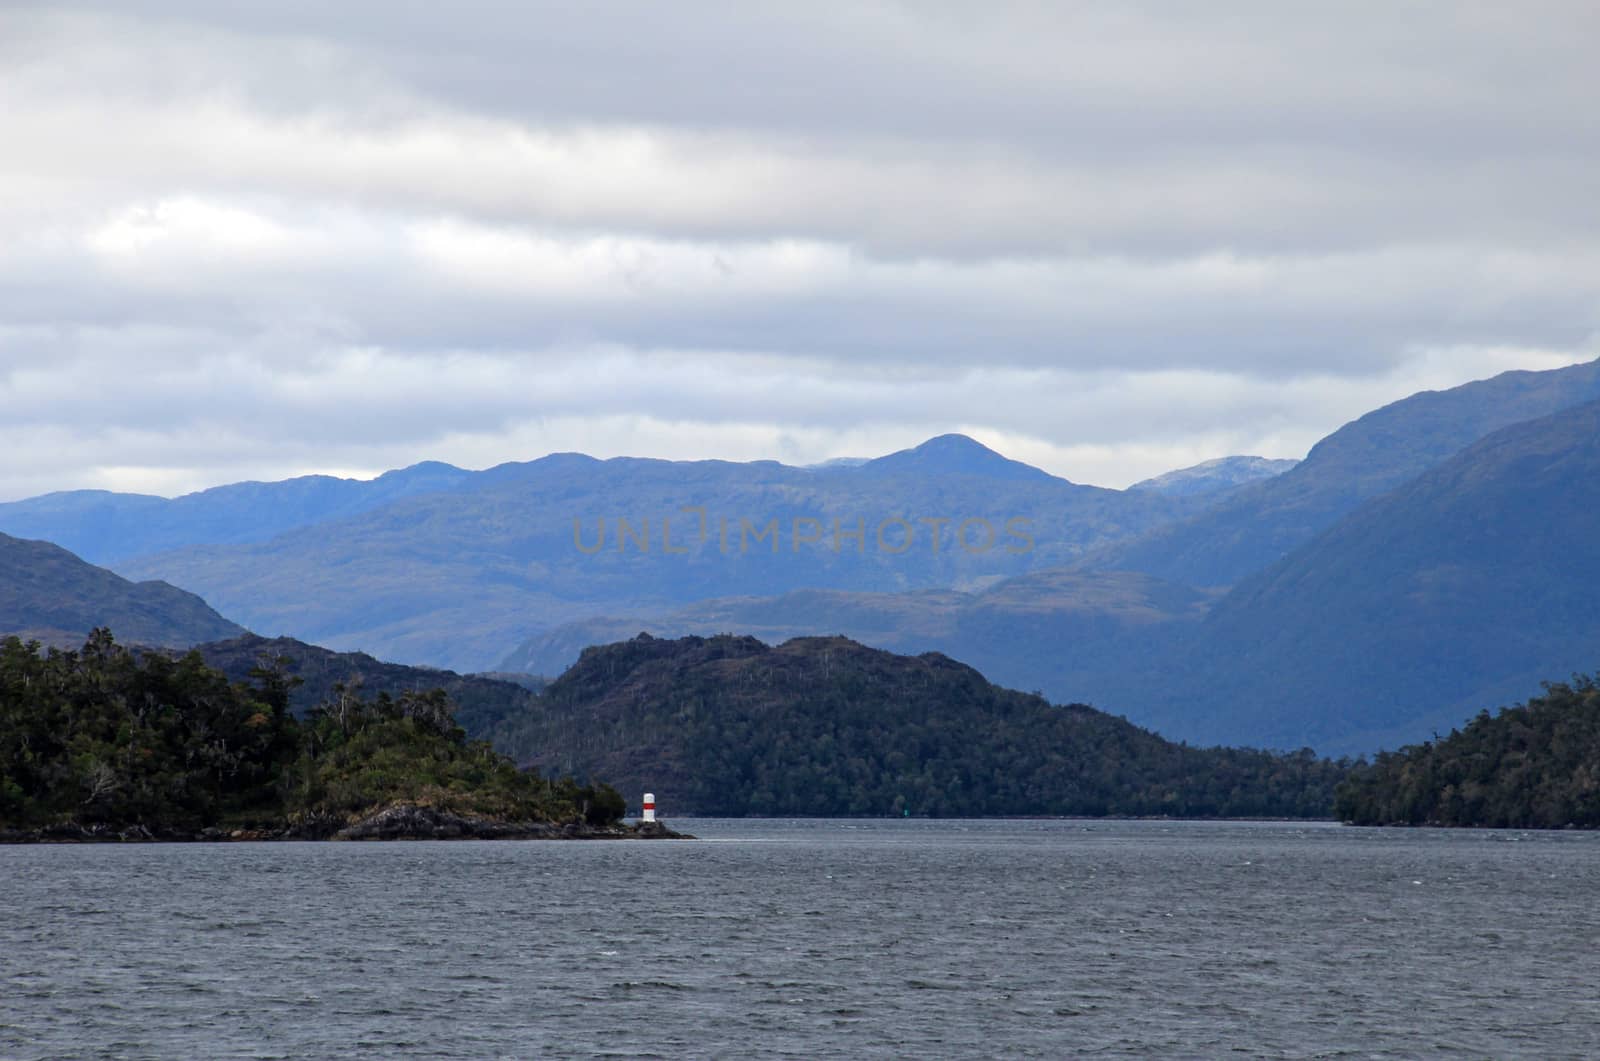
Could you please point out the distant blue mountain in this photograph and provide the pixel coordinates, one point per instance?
(1460, 590)
(1259, 523)
(1057, 629)
(454, 568)
(956, 455)
(1357, 614)
(1208, 477)
(105, 527)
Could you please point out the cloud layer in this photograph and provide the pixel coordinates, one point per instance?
(252, 241)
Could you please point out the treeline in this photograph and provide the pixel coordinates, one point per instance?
(320, 671)
(1534, 766)
(828, 727)
(105, 737)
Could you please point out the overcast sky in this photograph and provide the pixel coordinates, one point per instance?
(257, 240)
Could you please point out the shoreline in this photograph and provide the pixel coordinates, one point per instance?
(396, 822)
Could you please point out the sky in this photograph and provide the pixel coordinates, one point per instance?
(258, 240)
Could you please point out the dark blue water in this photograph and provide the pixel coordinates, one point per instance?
(813, 939)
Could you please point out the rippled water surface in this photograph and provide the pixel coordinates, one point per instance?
(813, 939)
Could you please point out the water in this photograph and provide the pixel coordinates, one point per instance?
(813, 939)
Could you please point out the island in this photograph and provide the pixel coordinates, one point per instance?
(107, 743)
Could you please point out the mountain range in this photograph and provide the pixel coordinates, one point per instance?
(1423, 561)
(1461, 588)
(457, 576)
(105, 527)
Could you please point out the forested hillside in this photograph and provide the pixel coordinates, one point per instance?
(320, 673)
(106, 739)
(825, 726)
(1534, 766)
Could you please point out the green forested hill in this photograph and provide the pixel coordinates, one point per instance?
(825, 726)
(49, 594)
(1532, 766)
(103, 740)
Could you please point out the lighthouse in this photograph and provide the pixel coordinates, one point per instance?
(649, 806)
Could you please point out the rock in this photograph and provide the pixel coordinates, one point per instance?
(407, 821)
(657, 831)
(397, 821)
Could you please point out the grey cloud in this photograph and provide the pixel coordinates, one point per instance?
(237, 237)
(1271, 126)
(1362, 71)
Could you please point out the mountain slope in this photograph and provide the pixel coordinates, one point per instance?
(824, 726)
(104, 527)
(454, 578)
(1262, 522)
(51, 595)
(1460, 589)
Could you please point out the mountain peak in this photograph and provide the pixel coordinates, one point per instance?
(954, 443)
(954, 454)
(422, 468)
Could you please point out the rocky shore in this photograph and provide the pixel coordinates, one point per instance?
(401, 821)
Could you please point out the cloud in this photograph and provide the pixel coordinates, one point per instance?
(259, 240)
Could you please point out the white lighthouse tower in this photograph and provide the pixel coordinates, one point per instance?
(649, 806)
